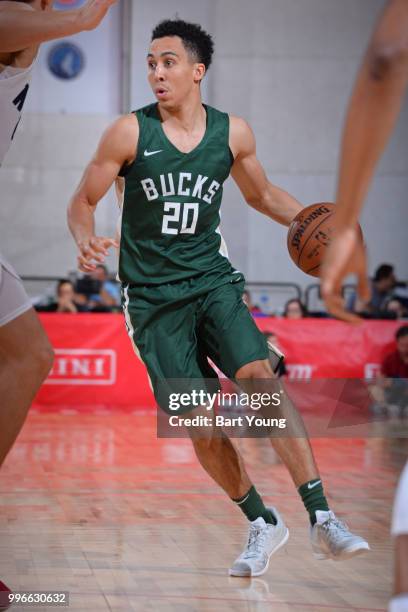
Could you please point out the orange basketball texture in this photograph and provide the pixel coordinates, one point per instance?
(309, 236)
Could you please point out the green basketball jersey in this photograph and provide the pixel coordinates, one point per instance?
(171, 208)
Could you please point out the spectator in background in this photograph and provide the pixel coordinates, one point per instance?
(382, 288)
(395, 364)
(65, 299)
(253, 309)
(273, 339)
(391, 389)
(108, 296)
(294, 309)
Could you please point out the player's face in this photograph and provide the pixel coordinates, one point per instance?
(171, 72)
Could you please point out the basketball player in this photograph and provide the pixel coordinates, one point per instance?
(182, 298)
(23, 26)
(373, 110)
(371, 117)
(25, 352)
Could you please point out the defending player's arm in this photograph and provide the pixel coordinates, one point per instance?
(371, 116)
(116, 148)
(21, 28)
(250, 177)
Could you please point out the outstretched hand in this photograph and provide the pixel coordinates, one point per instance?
(93, 12)
(94, 250)
(345, 255)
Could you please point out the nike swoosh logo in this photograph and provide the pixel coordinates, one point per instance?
(244, 500)
(149, 153)
(312, 486)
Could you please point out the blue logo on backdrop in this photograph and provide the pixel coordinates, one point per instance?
(64, 5)
(66, 60)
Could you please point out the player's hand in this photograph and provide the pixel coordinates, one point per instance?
(94, 250)
(91, 15)
(345, 255)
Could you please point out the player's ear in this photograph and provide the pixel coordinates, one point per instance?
(199, 72)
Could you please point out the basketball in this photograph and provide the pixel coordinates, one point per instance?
(309, 236)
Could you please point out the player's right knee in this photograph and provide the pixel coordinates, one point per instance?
(384, 59)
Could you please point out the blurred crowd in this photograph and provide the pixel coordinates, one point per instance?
(389, 296)
(96, 292)
(100, 292)
(389, 300)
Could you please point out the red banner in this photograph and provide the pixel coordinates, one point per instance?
(95, 364)
(324, 348)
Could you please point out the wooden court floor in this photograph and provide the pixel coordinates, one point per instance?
(96, 505)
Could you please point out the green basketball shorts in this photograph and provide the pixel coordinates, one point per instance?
(175, 327)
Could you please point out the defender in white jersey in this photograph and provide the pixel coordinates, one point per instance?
(14, 86)
(25, 353)
(24, 25)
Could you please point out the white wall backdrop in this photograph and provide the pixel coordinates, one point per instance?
(287, 66)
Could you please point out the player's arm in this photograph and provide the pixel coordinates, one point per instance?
(372, 113)
(20, 29)
(373, 110)
(116, 148)
(250, 177)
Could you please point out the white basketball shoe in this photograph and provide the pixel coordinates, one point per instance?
(263, 540)
(331, 539)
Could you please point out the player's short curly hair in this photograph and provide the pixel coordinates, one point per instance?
(195, 40)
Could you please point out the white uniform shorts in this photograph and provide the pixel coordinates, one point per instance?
(14, 301)
(400, 513)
